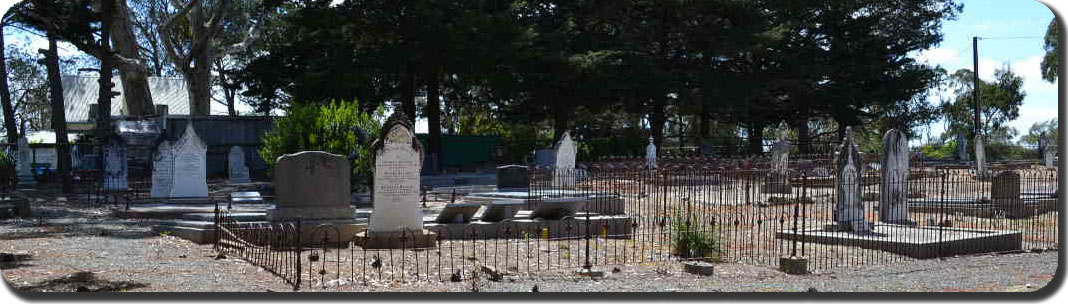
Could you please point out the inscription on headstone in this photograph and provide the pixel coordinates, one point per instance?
(237, 168)
(190, 166)
(893, 190)
(163, 170)
(396, 185)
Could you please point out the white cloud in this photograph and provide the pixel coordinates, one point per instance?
(938, 56)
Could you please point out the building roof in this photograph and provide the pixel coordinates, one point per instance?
(81, 91)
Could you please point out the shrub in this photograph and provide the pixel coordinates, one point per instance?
(693, 242)
(330, 128)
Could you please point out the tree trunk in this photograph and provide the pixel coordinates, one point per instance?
(133, 73)
(408, 92)
(198, 81)
(657, 118)
(433, 116)
(755, 136)
(103, 120)
(5, 96)
(229, 90)
(59, 120)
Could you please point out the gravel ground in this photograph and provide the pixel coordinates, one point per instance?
(82, 248)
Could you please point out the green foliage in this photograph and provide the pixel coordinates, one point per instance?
(1000, 102)
(520, 141)
(1049, 61)
(1049, 128)
(939, 151)
(692, 242)
(6, 160)
(330, 128)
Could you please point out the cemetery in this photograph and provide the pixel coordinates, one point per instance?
(675, 146)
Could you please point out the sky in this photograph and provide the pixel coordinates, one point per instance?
(1012, 32)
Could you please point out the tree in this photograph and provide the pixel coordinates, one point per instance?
(191, 39)
(79, 23)
(1050, 60)
(1041, 133)
(59, 120)
(5, 90)
(1000, 102)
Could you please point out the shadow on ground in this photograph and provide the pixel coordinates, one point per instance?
(12, 261)
(81, 282)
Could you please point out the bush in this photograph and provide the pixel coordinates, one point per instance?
(692, 242)
(329, 128)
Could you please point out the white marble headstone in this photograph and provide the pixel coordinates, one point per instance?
(1049, 156)
(190, 166)
(650, 155)
(893, 190)
(850, 207)
(115, 164)
(564, 168)
(396, 184)
(163, 170)
(238, 169)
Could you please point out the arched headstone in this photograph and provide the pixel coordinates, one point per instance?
(893, 188)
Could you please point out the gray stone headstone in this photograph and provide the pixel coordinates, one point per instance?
(396, 183)
(1005, 193)
(962, 148)
(893, 188)
(512, 176)
(237, 168)
(115, 164)
(190, 166)
(312, 185)
(850, 207)
(980, 156)
(24, 163)
(778, 179)
(163, 170)
(564, 165)
(650, 155)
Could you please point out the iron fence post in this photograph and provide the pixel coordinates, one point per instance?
(587, 266)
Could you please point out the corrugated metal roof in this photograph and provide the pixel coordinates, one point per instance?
(81, 91)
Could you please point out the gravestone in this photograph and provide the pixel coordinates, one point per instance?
(397, 220)
(512, 176)
(962, 148)
(849, 212)
(893, 188)
(564, 163)
(778, 180)
(25, 160)
(980, 156)
(115, 164)
(650, 155)
(312, 186)
(163, 170)
(237, 168)
(1005, 192)
(1049, 157)
(190, 166)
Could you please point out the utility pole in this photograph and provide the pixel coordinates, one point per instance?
(975, 79)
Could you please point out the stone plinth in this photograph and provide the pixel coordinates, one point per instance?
(915, 242)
